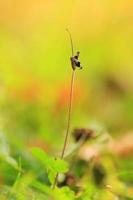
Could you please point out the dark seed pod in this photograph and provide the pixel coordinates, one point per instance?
(75, 62)
(69, 180)
(77, 55)
(82, 133)
(99, 174)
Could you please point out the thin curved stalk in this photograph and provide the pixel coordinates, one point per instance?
(68, 123)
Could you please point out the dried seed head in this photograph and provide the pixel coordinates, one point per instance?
(82, 133)
(77, 55)
(69, 180)
(74, 58)
(75, 62)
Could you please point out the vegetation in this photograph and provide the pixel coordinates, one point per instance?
(66, 133)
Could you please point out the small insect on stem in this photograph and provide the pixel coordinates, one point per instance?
(74, 63)
(74, 58)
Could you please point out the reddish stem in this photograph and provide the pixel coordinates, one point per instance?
(68, 124)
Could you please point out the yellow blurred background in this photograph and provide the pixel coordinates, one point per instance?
(35, 67)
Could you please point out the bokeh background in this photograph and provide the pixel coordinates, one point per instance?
(35, 69)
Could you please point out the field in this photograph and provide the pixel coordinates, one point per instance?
(66, 119)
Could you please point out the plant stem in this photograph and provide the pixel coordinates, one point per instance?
(69, 115)
(68, 123)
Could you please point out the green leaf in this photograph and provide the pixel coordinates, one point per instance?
(59, 165)
(88, 192)
(11, 161)
(64, 194)
(52, 165)
(42, 156)
(49, 162)
(5, 152)
(51, 176)
(4, 147)
(42, 187)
